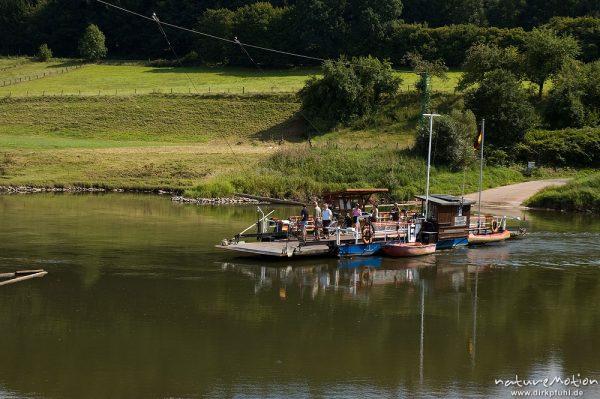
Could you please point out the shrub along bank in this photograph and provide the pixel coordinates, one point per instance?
(567, 147)
(582, 194)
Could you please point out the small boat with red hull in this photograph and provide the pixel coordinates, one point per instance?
(408, 249)
(486, 238)
(488, 229)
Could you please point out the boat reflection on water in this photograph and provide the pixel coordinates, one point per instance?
(358, 277)
(369, 280)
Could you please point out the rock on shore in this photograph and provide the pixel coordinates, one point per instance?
(215, 201)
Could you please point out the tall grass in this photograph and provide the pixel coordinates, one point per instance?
(305, 173)
(582, 194)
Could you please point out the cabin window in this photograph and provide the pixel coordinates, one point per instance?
(432, 211)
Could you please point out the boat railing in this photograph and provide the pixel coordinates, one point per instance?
(260, 223)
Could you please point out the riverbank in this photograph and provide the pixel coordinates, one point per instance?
(582, 194)
(213, 146)
(513, 196)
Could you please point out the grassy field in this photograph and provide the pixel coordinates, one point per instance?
(124, 121)
(148, 141)
(135, 78)
(209, 144)
(11, 68)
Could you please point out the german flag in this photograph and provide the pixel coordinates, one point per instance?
(477, 142)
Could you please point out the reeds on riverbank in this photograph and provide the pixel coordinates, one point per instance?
(582, 194)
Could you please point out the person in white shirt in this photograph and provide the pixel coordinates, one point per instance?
(327, 216)
(375, 213)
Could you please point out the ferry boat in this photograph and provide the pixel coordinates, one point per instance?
(448, 220)
(283, 237)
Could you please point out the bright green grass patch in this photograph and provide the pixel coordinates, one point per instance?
(129, 79)
(137, 79)
(24, 68)
(582, 194)
(158, 118)
(304, 173)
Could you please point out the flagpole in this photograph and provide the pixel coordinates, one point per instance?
(428, 162)
(480, 175)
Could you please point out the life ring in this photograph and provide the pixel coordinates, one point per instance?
(367, 235)
(494, 226)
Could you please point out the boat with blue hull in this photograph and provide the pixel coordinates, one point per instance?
(452, 243)
(446, 225)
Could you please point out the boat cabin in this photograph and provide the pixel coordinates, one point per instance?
(448, 219)
(342, 200)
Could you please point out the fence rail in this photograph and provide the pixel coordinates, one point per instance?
(39, 75)
(203, 90)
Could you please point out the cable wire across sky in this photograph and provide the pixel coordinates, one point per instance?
(235, 41)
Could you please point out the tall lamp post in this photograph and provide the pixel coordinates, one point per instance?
(431, 116)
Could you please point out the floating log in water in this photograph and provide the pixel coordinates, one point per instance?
(21, 275)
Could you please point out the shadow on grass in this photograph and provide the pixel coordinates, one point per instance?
(239, 72)
(292, 130)
(67, 63)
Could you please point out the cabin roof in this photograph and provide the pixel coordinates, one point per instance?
(445, 199)
(355, 192)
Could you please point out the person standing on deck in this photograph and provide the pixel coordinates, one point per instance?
(356, 214)
(375, 213)
(396, 216)
(318, 218)
(303, 221)
(327, 215)
(395, 213)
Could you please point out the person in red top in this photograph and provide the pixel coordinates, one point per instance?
(356, 214)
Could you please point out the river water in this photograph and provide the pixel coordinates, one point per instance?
(138, 303)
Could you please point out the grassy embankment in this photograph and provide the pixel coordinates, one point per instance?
(206, 144)
(582, 194)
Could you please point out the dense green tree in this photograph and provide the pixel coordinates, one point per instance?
(574, 100)
(585, 29)
(504, 13)
(254, 24)
(564, 106)
(14, 15)
(91, 44)
(591, 93)
(319, 28)
(370, 22)
(349, 89)
(44, 53)
(482, 58)
(504, 104)
(413, 38)
(546, 53)
(453, 137)
(218, 22)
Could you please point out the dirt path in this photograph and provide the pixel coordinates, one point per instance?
(512, 196)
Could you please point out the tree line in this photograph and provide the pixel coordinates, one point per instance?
(320, 28)
(504, 85)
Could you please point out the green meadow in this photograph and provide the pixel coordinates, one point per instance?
(137, 135)
(129, 78)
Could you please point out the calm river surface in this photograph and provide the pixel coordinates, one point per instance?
(138, 303)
